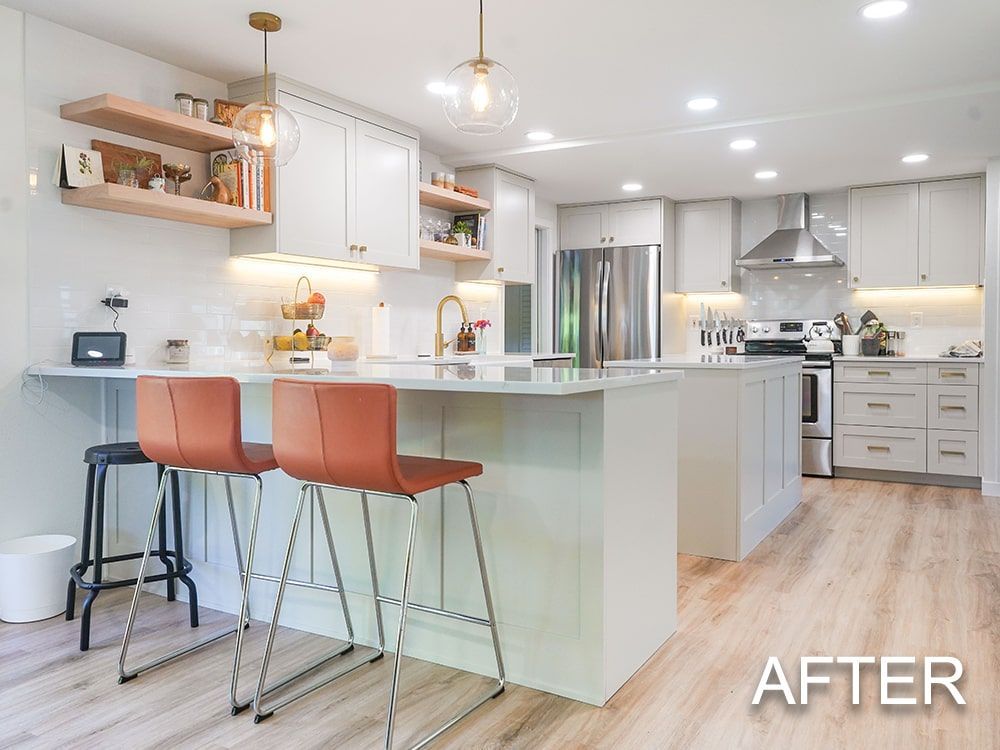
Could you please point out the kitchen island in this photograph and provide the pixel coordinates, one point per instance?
(577, 504)
(739, 461)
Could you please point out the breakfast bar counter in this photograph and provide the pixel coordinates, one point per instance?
(577, 504)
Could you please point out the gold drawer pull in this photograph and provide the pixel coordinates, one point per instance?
(884, 448)
(879, 372)
(873, 404)
(949, 374)
(952, 453)
(946, 407)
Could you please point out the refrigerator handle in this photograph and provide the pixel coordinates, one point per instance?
(605, 283)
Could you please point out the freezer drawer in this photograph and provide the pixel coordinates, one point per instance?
(958, 374)
(953, 407)
(880, 405)
(886, 448)
(953, 452)
(879, 371)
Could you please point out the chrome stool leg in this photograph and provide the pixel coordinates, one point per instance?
(125, 674)
(261, 711)
(376, 594)
(405, 605)
(245, 577)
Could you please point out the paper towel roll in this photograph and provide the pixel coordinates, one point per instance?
(380, 331)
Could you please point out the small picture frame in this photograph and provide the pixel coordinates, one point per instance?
(78, 167)
(226, 111)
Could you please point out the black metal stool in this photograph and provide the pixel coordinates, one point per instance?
(98, 458)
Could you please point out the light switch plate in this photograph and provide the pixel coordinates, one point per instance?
(694, 321)
(916, 320)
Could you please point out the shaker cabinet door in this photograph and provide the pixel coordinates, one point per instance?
(704, 246)
(514, 223)
(581, 227)
(316, 189)
(952, 232)
(883, 236)
(635, 223)
(387, 212)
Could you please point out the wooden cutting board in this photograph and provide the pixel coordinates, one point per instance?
(113, 154)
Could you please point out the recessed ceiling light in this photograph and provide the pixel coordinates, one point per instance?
(840, 234)
(915, 158)
(439, 88)
(766, 174)
(539, 135)
(742, 144)
(702, 103)
(631, 187)
(884, 9)
(819, 216)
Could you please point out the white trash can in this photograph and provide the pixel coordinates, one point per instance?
(34, 573)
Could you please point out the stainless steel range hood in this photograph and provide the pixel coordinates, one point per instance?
(791, 245)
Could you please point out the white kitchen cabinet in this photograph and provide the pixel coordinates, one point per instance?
(350, 192)
(583, 226)
(707, 246)
(510, 227)
(883, 236)
(635, 223)
(952, 232)
(611, 224)
(387, 210)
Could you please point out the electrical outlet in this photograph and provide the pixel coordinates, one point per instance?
(115, 290)
(916, 320)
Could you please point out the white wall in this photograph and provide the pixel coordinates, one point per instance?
(949, 315)
(41, 444)
(180, 278)
(989, 389)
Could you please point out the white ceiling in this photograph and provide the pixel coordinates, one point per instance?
(832, 98)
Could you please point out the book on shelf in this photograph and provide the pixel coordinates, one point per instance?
(226, 166)
(249, 182)
(477, 223)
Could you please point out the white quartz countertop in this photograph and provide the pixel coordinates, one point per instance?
(908, 358)
(706, 361)
(508, 360)
(517, 380)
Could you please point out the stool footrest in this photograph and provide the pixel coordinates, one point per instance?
(437, 611)
(176, 653)
(78, 570)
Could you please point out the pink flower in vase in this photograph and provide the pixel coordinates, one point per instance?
(481, 325)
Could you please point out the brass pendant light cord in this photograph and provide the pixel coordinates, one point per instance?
(265, 67)
(481, 55)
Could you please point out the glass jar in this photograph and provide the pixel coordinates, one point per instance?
(178, 352)
(184, 103)
(201, 109)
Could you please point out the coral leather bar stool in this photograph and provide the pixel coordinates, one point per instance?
(193, 425)
(343, 436)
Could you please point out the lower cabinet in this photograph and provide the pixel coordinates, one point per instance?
(907, 417)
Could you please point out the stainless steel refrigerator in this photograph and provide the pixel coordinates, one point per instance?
(607, 303)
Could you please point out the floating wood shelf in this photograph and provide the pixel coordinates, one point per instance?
(128, 116)
(128, 200)
(444, 251)
(449, 200)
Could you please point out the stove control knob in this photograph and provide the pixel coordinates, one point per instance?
(767, 330)
(754, 329)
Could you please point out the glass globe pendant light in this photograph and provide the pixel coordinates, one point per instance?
(265, 130)
(480, 95)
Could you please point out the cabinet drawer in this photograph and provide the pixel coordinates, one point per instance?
(953, 407)
(879, 371)
(880, 405)
(883, 448)
(959, 374)
(950, 452)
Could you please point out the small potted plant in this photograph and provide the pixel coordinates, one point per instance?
(480, 326)
(133, 172)
(463, 234)
(873, 336)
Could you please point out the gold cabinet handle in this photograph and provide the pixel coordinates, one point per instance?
(952, 453)
(354, 249)
(948, 407)
(878, 404)
(879, 372)
(723, 283)
(499, 269)
(856, 279)
(604, 239)
(363, 249)
(611, 238)
(881, 448)
(953, 374)
(923, 277)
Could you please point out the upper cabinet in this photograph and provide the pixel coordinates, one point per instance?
(348, 195)
(917, 234)
(707, 244)
(952, 234)
(611, 224)
(510, 226)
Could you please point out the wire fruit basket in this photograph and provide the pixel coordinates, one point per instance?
(306, 312)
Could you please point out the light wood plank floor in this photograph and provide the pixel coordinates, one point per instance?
(859, 568)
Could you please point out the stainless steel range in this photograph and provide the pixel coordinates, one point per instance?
(818, 341)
